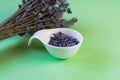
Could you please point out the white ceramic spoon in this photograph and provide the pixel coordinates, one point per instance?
(58, 52)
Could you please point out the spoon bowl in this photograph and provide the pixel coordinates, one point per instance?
(58, 52)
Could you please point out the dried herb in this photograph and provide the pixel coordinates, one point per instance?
(34, 15)
(62, 40)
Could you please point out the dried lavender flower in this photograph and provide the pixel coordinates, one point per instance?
(34, 15)
(62, 40)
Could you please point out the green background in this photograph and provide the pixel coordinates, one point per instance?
(97, 59)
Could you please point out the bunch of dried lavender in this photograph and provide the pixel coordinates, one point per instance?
(34, 15)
